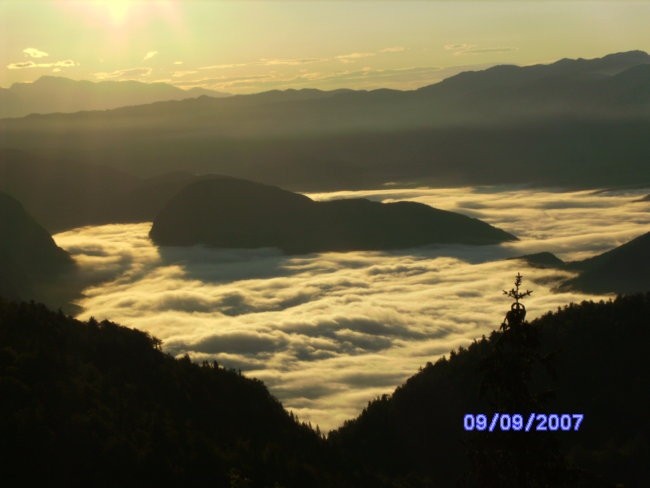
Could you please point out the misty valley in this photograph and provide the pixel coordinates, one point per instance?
(312, 285)
(364, 320)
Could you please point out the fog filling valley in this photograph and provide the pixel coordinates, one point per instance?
(328, 332)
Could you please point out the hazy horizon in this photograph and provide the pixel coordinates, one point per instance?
(324, 45)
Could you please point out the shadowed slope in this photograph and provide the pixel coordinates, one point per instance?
(29, 258)
(624, 269)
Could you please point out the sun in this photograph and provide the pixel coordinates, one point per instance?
(117, 11)
(118, 14)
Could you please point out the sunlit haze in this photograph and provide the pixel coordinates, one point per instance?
(252, 46)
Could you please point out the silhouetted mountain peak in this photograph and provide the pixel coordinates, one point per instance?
(233, 213)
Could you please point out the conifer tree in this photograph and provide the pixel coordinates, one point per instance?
(514, 458)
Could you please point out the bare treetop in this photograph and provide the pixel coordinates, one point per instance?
(514, 292)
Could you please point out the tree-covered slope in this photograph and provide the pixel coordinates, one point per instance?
(97, 404)
(415, 436)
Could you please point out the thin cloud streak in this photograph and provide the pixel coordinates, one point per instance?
(465, 48)
(66, 63)
(32, 52)
(359, 322)
(124, 74)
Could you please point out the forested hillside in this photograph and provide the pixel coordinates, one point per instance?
(97, 404)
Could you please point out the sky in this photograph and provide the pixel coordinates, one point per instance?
(328, 332)
(251, 46)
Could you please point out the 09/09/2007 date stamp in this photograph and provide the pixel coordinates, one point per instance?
(533, 422)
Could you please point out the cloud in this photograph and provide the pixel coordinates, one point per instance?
(352, 57)
(289, 61)
(223, 66)
(328, 332)
(32, 52)
(403, 78)
(149, 55)
(395, 49)
(66, 63)
(123, 74)
(179, 74)
(178, 62)
(462, 49)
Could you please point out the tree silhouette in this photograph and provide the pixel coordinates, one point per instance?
(504, 459)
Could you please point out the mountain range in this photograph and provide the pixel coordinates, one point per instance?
(571, 123)
(58, 94)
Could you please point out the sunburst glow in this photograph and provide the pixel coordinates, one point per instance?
(119, 14)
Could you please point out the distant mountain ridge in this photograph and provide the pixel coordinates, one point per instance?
(569, 123)
(57, 94)
(576, 88)
(232, 213)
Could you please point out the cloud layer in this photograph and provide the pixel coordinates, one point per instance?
(328, 332)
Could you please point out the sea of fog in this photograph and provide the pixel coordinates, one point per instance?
(329, 332)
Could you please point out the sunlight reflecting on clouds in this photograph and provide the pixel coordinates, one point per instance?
(328, 332)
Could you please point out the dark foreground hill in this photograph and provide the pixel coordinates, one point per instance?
(232, 213)
(97, 404)
(30, 262)
(415, 436)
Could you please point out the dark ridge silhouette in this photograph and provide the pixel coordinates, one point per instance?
(570, 123)
(63, 194)
(233, 213)
(624, 269)
(58, 94)
(415, 437)
(97, 404)
(621, 270)
(30, 262)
